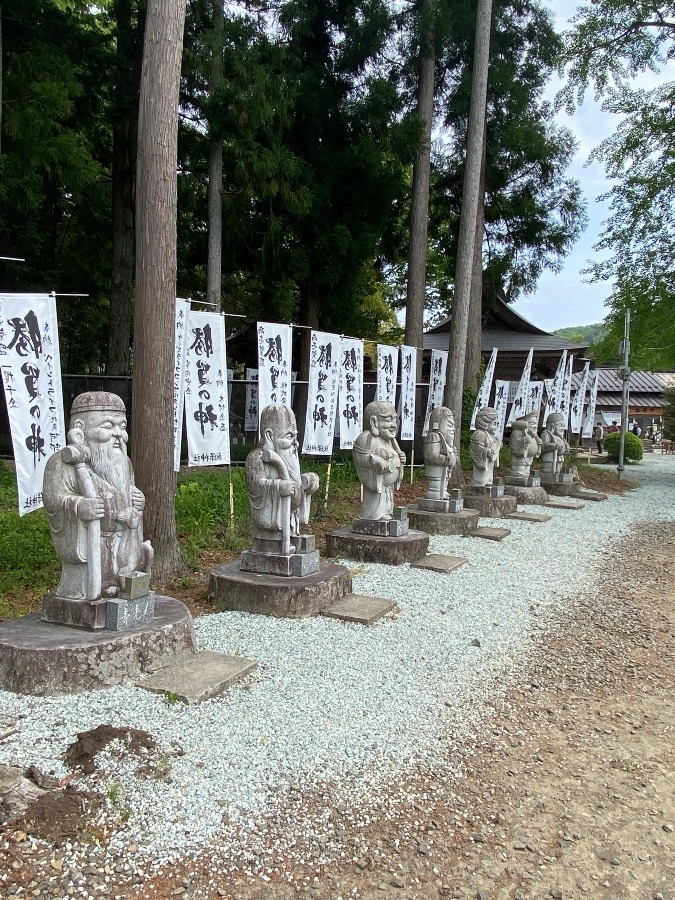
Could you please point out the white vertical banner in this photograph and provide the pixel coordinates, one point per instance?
(577, 408)
(437, 373)
(387, 372)
(501, 404)
(207, 415)
(589, 421)
(31, 375)
(251, 411)
(179, 350)
(322, 393)
(408, 385)
(519, 405)
(350, 402)
(554, 387)
(274, 364)
(534, 397)
(483, 398)
(566, 391)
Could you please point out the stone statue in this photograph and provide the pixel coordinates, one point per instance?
(485, 447)
(379, 461)
(94, 508)
(440, 456)
(525, 445)
(279, 495)
(554, 447)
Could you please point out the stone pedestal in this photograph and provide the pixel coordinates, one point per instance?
(488, 506)
(560, 478)
(561, 488)
(231, 588)
(527, 495)
(392, 551)
(296, 565)
(522, 481)
(442, 522)
(37, 657)
(87, 614)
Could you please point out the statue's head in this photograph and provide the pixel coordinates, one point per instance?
(278, 428)
(556, 423)
(486, 419)
(442, 419)
(382, 419)
(98, 419)
(527, 423)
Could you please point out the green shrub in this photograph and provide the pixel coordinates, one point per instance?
(633, 448)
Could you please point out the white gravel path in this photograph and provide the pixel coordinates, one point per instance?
(334, 704)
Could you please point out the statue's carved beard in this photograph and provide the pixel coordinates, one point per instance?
(110, 464)
(292, 463)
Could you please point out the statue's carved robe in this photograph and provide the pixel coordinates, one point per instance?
(122, 547)
(553, 452)
(524, 448)
(262, 484)
(484, 451)
(438, 457)
(378, 486)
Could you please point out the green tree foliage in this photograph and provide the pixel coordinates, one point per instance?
(669, 414)
(611, 42)
(583, 334)
(632, 451)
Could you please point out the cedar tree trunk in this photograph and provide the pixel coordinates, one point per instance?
(214, 199)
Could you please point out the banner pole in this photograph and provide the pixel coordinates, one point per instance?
(328, 473)
(231, 499)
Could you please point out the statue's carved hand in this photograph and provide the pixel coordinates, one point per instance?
(287, 488)
(89, 509)
(401, 456)
(137, 499)
(310, 482)
(381, 465)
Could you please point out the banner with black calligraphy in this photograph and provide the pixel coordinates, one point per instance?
(322, 393)
(251, 411)
(408, 384)
(180, 336)
(554, 390)
(519, 405)
(566, 391)
(439, 365)
(483, 398)
(207, 414)
(31, 375)
(387, 372)
(589, 421)
(534, 397)
(500, 405)
(577, 408)
(350, 399)
(274, 364)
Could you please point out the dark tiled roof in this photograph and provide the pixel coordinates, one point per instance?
(640, 382)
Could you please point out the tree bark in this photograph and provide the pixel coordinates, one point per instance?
(214, 198)
(459, 322)
(472, 357)
(419, 207)
(156, 201)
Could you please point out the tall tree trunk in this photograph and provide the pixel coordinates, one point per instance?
(419, 209)
(0, 77)
(472, 358)
(156, 201)
(214, 198)
(459, 322)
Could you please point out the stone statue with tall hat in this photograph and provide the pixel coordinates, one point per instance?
(554, 449)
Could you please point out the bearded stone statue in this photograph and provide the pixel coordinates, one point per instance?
(94, 508)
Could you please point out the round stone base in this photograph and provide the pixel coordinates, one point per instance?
(393, 551)
(490, 507)
(562, 489)
(443, 523)
(527, 495)
(282, 596)
(48, 660)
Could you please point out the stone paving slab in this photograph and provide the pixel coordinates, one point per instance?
(528, 517)
(560, 504)
(360, 608)
(583, 494)
(440, 562)
(199, 677)
(490, 534)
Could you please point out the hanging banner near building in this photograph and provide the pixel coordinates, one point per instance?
(274, 364)
(31, 375)
(519, 405)
(534, 397)
(483, 398)
(179, 350)
(577, 408)
(501, 404)
(439, 365)
(387, 372)
(554, 387)
(589, 421)
(251, 411)
(350, 402)
(322, 393)
(207, 416)
(408, 385)
(566, 391)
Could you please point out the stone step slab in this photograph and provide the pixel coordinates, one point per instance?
(561, 504)
(204, 675)
(489, 533)
(360, 608)
(440, 562)
(528, 517)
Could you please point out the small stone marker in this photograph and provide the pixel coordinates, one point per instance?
(490, 534)
(360, 608)
(440, 562)
(585, 494)
(200, 676)
(528, 517)
(561, 504)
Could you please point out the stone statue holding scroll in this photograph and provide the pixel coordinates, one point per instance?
(485, 446)
(525, 445)
(440, 456)
(279, 494)
(554, 447)
(379, 461)
(94, 508)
